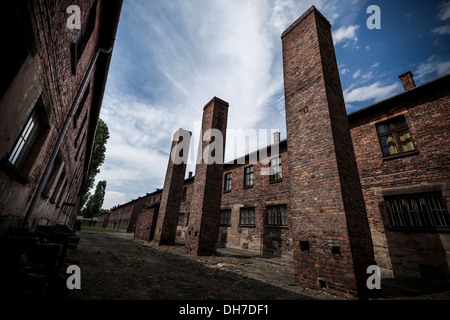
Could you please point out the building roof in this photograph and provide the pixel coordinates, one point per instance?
(443, 81)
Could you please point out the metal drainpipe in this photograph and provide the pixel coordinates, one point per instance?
(61, 136)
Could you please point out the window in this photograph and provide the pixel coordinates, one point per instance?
(395, 137)
(81, 107)
(59, 186)
(54, 175)
(83, 37)
(181, 219)
(183, 196)
(225, 218)
(247, 217)
(417, 211)
(21, 158)
(277, 216)
(248, 177)
(227, 182)
(275, 169)
(25, 142)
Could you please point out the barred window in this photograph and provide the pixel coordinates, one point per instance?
(417, 211)
(247, 217)
(277, 216)
(225, 218)
(227, 182)
(181, 219)
(248, 176)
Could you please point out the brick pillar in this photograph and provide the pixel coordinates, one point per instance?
(332, 241)
(203, 229)
(166, 225)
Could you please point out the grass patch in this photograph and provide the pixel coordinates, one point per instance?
(96, 229)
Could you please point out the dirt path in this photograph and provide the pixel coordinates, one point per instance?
(114, 266)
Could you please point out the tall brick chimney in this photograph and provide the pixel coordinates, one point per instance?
(204, 219)
(166, 225)
(331, 235)
(407, 80)
(190, 174)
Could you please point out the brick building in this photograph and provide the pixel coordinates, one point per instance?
(124, 217)
(345, 191)
(52, 83)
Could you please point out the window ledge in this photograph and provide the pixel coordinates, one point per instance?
(247, 226)
(401, 155)
(276, 181)
(227, 191)
(420, 229)
(276, 227)
(248, 187)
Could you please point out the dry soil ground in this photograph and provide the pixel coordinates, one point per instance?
(114, 266)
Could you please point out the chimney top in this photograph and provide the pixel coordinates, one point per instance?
(190, 174)
(407, 80)
(276, 137)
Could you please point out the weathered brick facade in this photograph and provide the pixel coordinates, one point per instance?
(43, 77)
(203, 226)
(166, 227)
(146, 224)
(407, 251)
(327, 207)
(345, 191)
(125, 216)
(261, 237)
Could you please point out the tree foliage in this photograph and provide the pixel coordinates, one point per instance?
(97, 159)
(94, 205)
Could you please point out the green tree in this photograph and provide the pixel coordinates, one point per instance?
(95, 202)
(97, 159)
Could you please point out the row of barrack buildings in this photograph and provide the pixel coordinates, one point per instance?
(344, 192)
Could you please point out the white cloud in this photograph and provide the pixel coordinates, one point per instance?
(345, 35)
(172, 57)
(373, 92)
(368, 76)
(444, 11)
(356, 74)
(432, 68)
(113, 198)
(444, 30)
(375, 65)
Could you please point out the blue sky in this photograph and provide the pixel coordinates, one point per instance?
(171, 57)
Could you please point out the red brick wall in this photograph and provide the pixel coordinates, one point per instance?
(47, 75)
(426, 110)
(327, 207)
(204, 219)
(124, 217)
(166, 227)
(146, 224)
(262, 194)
